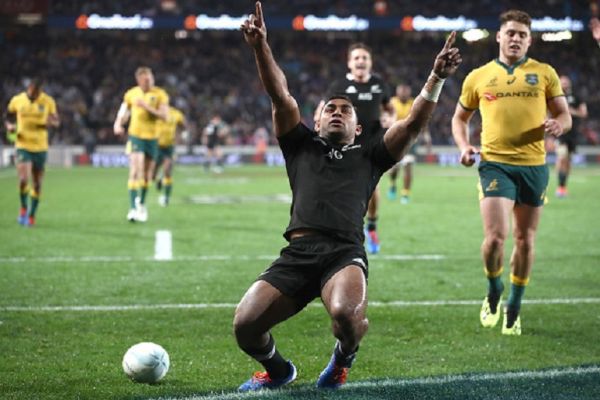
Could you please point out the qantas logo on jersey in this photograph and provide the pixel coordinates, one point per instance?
(492, 97)
(517, 94)
(489, 97)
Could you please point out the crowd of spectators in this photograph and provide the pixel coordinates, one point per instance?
(214, 72)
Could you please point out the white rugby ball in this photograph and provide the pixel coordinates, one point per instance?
(146, 362)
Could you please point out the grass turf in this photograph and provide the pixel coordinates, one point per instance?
(83, 252)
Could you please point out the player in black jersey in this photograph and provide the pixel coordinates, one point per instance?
(567, 143)
(332, 177)
(214, 134)
(369, 94)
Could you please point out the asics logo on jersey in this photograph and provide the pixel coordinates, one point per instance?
(493, 186)
(511, 80)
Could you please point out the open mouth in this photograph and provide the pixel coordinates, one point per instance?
(515, 47)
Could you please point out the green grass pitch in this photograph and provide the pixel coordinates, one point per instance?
(82, 286)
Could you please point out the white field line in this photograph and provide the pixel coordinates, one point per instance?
(214, 257)
(378, 304)
(430, 381)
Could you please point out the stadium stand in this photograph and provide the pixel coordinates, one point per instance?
(87, 71)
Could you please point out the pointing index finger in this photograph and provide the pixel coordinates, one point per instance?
(450, 41)
(259, 13)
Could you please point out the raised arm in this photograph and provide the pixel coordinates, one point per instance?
(403, 132)
(286, 114)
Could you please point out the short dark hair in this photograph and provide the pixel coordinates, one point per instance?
(36, 81)
(342, 97)
(339, 96)
(517, 16)
(359, 45)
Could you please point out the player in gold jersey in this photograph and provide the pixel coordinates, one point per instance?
(402, 102)
(514, 94)
(30, 113)
(145, 104)
(167, 132)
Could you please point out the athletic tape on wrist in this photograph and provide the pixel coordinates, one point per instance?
(436, 89)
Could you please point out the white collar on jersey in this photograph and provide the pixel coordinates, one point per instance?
(350, 77)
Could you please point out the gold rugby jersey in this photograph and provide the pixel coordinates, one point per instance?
(32, 118)
(512, 102)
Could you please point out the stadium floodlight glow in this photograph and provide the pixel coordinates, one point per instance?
(329, 23)
(116, 21)
(441, 23)
(473, 35)
(557, 36)
(220, 23)
(553, 25)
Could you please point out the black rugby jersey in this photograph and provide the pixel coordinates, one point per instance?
(367, 97)
(331, 185)
(574, 102)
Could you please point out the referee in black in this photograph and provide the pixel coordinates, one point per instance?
(332, 177)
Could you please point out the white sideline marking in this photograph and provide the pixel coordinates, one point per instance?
(163, 246)
(215, 257)
(439, 380)
(400, 303)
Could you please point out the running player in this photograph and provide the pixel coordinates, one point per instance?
(167, 132)
(214, 134)
(29, 114)
(146, 103)
(331, 177)
(514, 94)
(369, 94)
(567, 143)
(402, 103)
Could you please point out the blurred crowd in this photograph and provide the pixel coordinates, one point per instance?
(211, 73)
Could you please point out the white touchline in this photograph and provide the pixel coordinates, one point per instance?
(429, 381)
(163, 246)
(207, 257)
(376, 304)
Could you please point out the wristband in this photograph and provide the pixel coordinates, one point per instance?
(436, 89)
